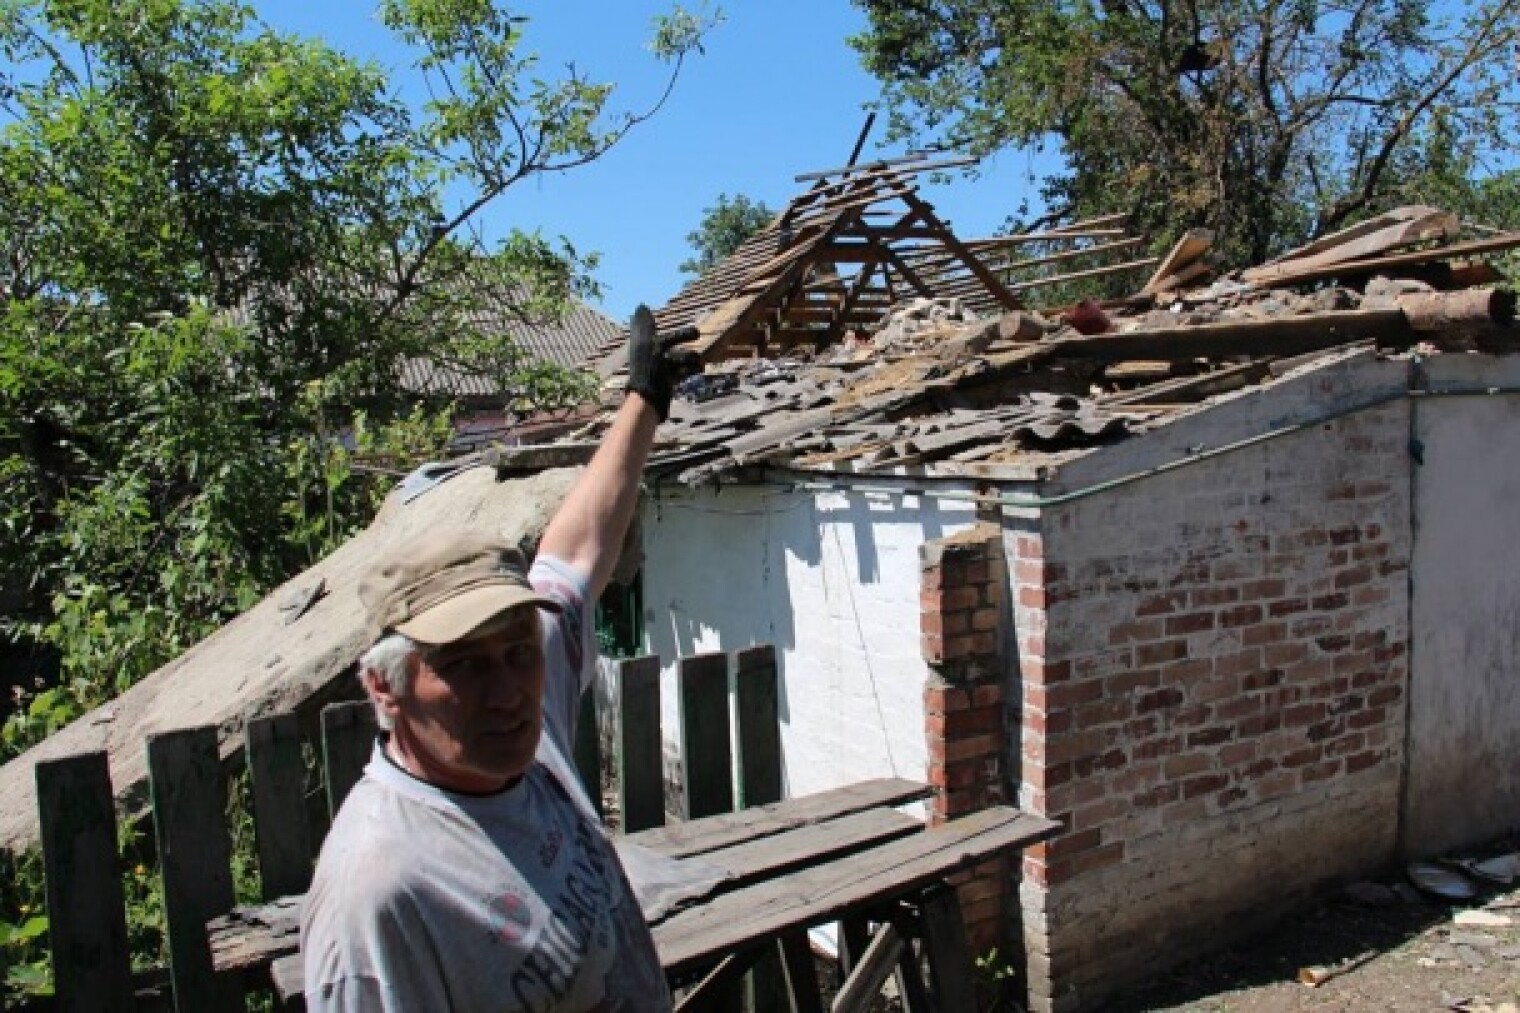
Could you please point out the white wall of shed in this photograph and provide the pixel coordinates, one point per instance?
(1463, 774)
(832, 580)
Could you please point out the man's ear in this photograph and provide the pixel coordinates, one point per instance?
(380, 691)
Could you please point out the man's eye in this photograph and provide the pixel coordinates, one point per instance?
(522, 655)
(463, 665)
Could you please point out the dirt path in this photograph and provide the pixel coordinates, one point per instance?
(1406, 955)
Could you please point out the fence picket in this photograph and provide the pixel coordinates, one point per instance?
(87, 927)
(757, 716)
(278, 779)
(641, 770)
(588, 751)
(706, 746)
(759, 723)
(195, 856)
(348, 738)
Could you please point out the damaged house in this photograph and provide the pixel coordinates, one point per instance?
(1217, 575)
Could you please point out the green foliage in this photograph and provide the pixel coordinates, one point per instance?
(1264, 120)
(218, 242)
(725, 225)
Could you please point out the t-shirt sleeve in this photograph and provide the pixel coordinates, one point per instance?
(569, 648)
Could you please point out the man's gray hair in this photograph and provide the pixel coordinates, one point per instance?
(390, 658)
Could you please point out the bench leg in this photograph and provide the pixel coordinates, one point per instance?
(801, 973)
(950, 968)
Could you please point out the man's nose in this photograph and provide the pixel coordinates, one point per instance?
(506, 690)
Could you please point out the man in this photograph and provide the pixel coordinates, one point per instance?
(467, 870)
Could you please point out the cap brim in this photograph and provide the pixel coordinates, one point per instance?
(463, 614)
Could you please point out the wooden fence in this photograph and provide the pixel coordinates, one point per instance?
(188, 792)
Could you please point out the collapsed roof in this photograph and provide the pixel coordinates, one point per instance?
(856, 333)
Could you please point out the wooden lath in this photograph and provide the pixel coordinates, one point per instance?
(840, 252)
(1026, 262)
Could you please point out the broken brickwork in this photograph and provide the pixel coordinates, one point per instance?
(961, 593)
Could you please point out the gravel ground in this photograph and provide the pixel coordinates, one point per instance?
(1406, 953)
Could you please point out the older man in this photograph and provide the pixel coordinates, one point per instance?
(467, 870)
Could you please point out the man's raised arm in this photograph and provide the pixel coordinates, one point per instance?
(588, 529)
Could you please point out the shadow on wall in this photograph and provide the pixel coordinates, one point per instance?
(739, 566)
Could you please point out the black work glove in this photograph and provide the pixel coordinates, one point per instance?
(653, 371)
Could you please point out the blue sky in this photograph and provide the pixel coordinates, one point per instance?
(777, 93)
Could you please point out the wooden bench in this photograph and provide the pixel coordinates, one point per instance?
(840, 856)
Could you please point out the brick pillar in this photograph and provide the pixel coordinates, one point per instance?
(962, 602)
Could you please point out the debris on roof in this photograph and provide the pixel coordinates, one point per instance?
(928, 356)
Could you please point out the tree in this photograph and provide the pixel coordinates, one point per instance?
(1266, 120)
(725, 225)
(217, 244)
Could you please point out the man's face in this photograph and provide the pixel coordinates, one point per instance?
(473, 713)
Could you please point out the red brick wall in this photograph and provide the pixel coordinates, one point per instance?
(962, 600)
(1213, 667)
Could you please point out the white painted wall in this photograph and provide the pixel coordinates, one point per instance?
(832, 580)
(1464, 738)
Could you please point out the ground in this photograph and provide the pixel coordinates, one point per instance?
(1404, 954)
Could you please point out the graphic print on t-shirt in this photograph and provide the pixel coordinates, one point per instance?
(511, 916)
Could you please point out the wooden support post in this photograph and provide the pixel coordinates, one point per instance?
(950, 968)
(348, 738)
(706, 747)
(853, 936)
(588, 751)
(641, 754)
(910, 974)
(195, 856)
(716, 989)
(801, 972)
(875, 963)
(87, 928)
(277, 776)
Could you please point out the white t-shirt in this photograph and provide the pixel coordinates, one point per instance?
(428, 900)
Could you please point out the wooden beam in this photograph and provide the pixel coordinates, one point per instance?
(1096, 272)
(1358, 268)
(870, 971)
(1194, 244)
(1397, 227)
(993, 285)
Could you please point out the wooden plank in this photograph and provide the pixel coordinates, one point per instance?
(1193, 244)
(1387, 231)
(682, 839)
(950, 967)
(277, 777)
(871, 970)
(707, 756)
(757, 697)
(832, 890)
(195, 856)
(588, 752)
(87, 926)
(1304, 274)
(779, 854)
(255, 936)
(348, 740)
(641, 770)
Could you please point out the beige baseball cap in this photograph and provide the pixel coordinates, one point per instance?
(445, 585)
